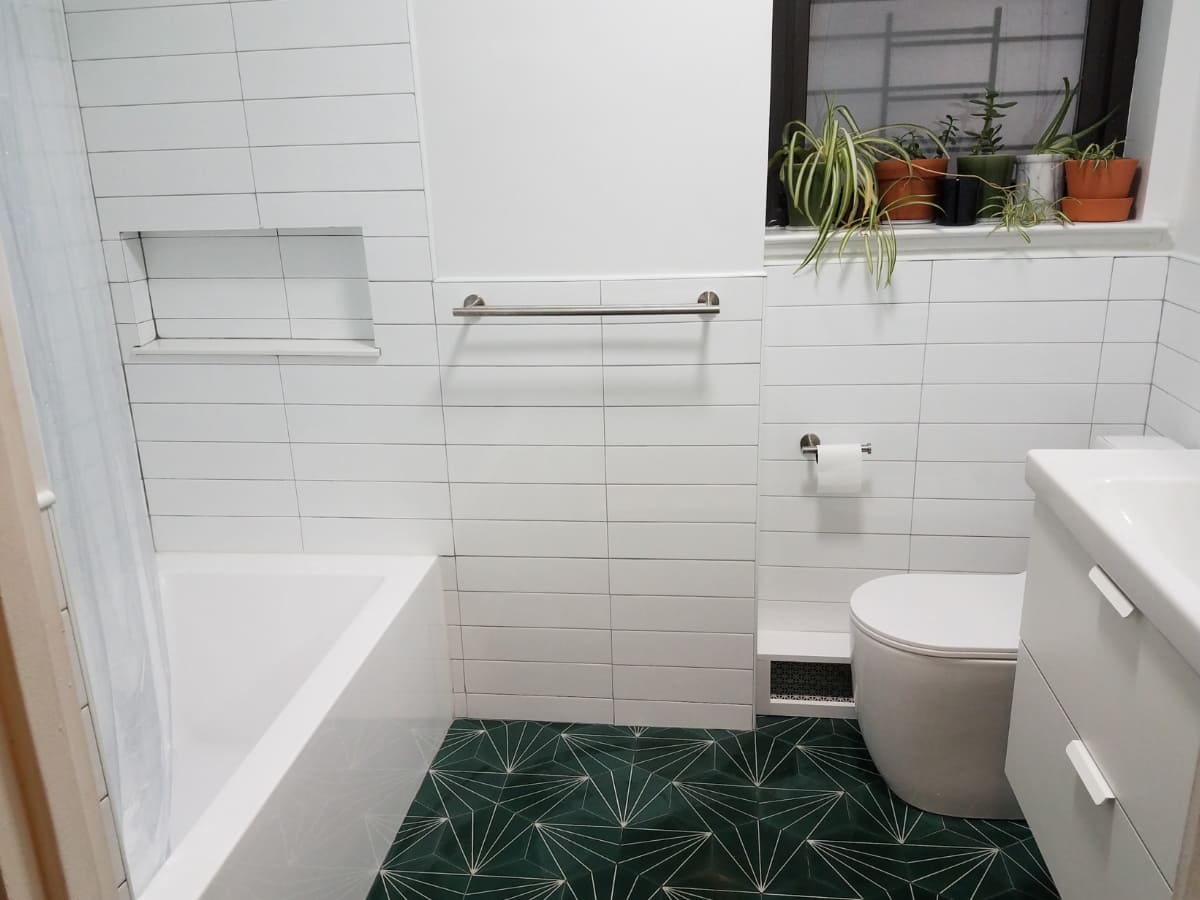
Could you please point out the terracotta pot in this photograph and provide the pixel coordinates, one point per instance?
(1106, 181)
(909, 194)
(1108, 209)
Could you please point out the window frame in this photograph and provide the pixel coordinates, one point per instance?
(1110, 48)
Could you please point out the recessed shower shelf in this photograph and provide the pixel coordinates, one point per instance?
(330, 349)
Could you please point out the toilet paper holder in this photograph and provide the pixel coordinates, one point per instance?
(811, 443)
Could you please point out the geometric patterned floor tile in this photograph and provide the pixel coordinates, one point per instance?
(794, 809)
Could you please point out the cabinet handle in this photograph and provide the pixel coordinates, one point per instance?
(1089, 773)
(1114, 595)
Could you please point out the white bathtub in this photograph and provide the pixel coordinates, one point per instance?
(308, 696)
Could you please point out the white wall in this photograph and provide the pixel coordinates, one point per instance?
(594, 139)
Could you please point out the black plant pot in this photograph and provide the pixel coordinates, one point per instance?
(957, 200)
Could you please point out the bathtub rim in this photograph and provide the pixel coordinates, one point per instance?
(196, 860)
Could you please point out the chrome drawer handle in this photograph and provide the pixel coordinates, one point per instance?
(1114, 595)
(1089, 773)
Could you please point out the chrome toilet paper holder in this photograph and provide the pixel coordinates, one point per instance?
(810, 444)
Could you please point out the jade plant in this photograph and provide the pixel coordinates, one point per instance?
(989, 109)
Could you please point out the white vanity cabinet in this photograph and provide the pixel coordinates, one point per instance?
(1105, 732)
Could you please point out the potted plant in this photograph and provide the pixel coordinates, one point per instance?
(908, 190)
(830, 181)
(1099, 184)
(958, 195)
(1038, 173)
(984, 160)
(1019, 211)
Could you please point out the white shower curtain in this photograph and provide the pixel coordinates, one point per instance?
(51, 241)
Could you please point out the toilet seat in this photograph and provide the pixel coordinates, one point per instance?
(951, 616)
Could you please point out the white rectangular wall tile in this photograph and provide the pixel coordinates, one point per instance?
(161, 31)
(274, 24)
(331, 71)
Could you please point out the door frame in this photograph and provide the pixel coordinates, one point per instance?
(53, 843)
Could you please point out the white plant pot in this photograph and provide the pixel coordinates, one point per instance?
(1040, 177)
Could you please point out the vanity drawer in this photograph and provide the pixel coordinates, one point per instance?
(1091, 849)
(1126, 691)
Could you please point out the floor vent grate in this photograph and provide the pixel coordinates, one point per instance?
(811, 681)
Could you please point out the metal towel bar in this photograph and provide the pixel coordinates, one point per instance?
(707, 304)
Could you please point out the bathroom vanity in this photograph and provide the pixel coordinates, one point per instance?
(1105, 732)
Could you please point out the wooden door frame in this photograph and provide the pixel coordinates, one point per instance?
(53, 844)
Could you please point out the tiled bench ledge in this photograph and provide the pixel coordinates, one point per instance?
(981, 241)
(317, 350)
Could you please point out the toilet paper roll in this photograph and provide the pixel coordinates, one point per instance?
(839, 469)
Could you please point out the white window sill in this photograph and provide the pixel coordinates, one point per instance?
(330, 350)
(786, 246)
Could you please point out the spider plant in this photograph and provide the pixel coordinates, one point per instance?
(1017, 211)
(829, 175)
(1095, 154)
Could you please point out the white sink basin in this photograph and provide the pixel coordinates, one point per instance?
(1137, 513)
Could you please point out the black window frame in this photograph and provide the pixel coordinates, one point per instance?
(1106, 75)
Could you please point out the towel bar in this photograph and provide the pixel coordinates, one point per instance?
(707, 304)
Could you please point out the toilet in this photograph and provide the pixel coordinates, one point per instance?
(933, 659)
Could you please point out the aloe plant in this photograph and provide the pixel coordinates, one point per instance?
(830, 178)
(1052, 139)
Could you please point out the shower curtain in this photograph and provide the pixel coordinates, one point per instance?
(51, 240)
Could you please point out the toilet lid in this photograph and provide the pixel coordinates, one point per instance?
(963, 616)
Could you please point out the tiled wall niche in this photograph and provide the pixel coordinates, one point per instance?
(301, 284)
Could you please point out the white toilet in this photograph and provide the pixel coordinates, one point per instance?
(934, 658)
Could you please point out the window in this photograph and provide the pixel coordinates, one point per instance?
(918, 60)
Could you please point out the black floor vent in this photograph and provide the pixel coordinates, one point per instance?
(811, 681)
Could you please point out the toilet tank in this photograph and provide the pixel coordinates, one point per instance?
(1133, 442)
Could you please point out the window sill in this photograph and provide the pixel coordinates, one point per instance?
(329, 350)
(787, 246)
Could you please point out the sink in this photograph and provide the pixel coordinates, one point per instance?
(1166, 511)
(1137, 513)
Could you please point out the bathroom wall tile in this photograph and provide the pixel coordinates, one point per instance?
(331, 120)
(807, 326)
(972, 480)
(172, 126)
(406, 345)
(361, 385)
(539, 679)
(1011, 363)
(719, 578)
(798, 478)
(213, 497)
(396, 218)
(1128, 363)
(562, 645)
(549, 502)
(365, 424)
(558, 538)
(1019, 403)
(329, 298)
(671, 386)
(164, 31)
(226, 534)
(532, 575)
(681, 343)
(548, 426)
(691, 685)
(681, 540)
(520, 345)
(846, 515)
(158, 79)
(681, 503)
(1134, 320)
(731, 615)
(1139, 278)
(840, 282)
(951, 442)
(842, 403)
(1021, 322)
(185, 459)
(202, 211)
(535, 610)
(219, 298)
(998, 518)
(683, 715)
(526, 465)
(273, 24)
(402, 302)
(866, 551)
(141, 173)
(373, 462)
(203, 384)
(681, 465)
(1173, 418)
(1181, 330)
(397, 537)
(1177, 375)
(1121, 403)
(322, 256)
(688, 425)
(523, 385)
(883, 364)
(1067, 278)
(740, 298)
(326, 71)
(815, 587)
(1183, 284)
(677, 648)
(540, 709)
(969, 554)
(346, 167)
(209, 422)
